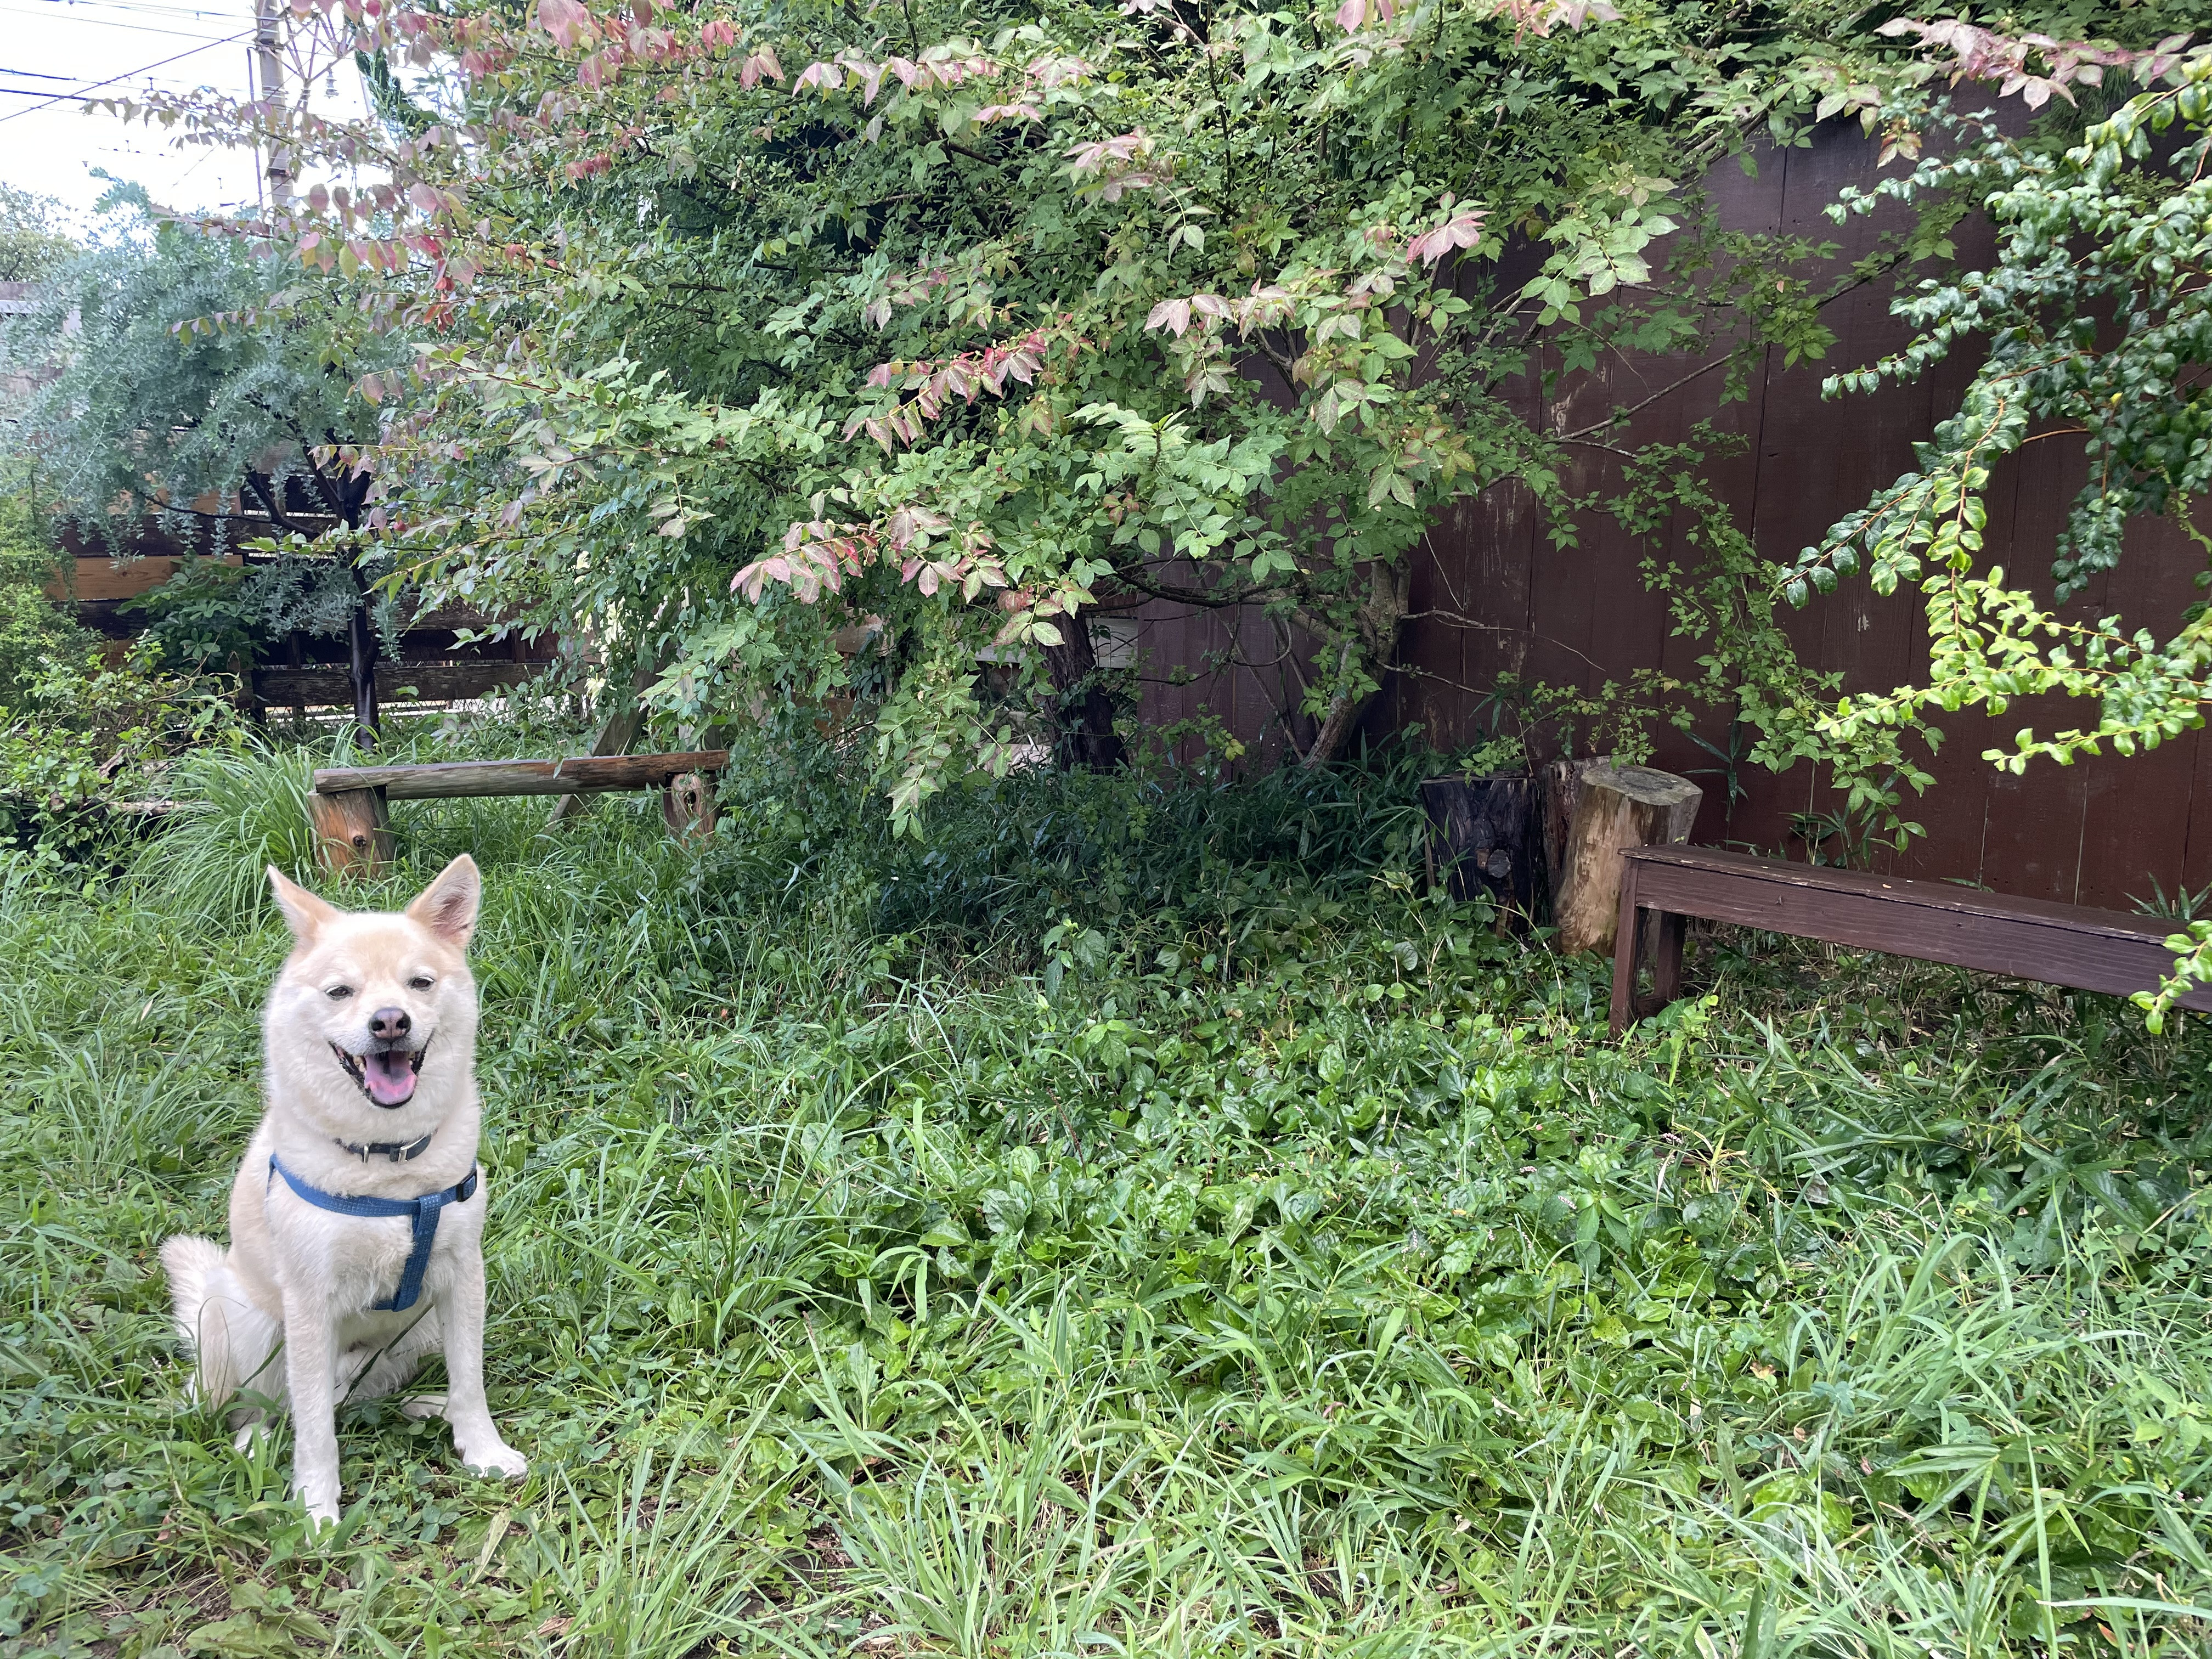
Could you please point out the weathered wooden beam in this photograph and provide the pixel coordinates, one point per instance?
(615, 737)
(452, 780)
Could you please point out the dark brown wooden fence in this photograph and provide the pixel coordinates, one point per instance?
(2099, 833)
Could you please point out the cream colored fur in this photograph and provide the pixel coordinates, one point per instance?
(281, 1321)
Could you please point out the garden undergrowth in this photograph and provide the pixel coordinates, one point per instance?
(1071, 1236)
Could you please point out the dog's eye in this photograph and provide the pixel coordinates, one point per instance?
(421, 983)
(339, 993)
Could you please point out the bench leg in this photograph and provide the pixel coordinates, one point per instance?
(1624, 951)
(352, 831)
(1666, 959)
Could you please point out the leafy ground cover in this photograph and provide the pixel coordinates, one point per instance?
(1131, 1222)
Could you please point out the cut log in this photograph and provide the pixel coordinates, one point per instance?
(1562, 788)
(452, 780)
(1485, 837)
(351, 831)
(1618, 807)
(687, 805)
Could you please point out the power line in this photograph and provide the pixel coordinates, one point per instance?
(147, 6)
(110, 23)
(63, 97)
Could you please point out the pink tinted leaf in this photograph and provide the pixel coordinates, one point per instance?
(567, 20)
(1173, 315)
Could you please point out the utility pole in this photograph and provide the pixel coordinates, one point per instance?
(269, 71)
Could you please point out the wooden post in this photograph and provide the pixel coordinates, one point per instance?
(1620, 806)
(687, 805)
(294, 660)
(352, 831)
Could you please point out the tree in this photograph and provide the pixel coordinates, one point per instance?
(965, 327)
(32, 242)
(198, 380)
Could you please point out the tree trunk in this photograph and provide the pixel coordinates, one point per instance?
(362, 662)
(1373, 635)
(1084, 739)
(1620, 806)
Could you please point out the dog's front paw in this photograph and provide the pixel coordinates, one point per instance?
(494, 1456)
(321, 1500)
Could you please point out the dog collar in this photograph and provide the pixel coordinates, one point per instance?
(422, 1212)
(399, 1152)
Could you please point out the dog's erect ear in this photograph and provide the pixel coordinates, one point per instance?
(447, 906)
(304, 914)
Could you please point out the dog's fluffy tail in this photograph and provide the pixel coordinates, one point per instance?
(233, 1340)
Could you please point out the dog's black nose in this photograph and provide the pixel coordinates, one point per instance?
(388, 1023)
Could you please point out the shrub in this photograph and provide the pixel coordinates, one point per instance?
(32, 628)
(82, 736)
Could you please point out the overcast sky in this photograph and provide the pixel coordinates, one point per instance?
(50, 47)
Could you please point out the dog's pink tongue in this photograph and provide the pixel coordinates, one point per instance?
(390, 1076)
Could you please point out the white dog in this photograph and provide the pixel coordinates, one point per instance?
(356, 1220)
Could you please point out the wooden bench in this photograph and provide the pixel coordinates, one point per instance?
(352, 830)
(1933, 921)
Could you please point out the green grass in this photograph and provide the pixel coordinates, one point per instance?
(1307, 1274)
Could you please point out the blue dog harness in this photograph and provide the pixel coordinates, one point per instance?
(424, 1210)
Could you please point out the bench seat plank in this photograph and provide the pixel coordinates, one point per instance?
(452, 780)
(1933, 921)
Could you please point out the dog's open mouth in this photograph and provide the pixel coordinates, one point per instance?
(385, 1076)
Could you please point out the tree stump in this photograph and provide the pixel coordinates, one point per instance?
(1618, 807)
(352, 831)
(1485, 837)
(1562, 788)
(687, 805)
